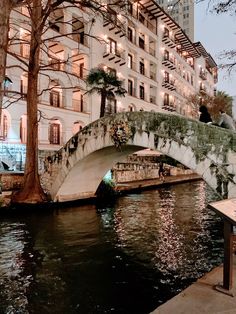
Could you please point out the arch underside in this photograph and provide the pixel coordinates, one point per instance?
(84, 178)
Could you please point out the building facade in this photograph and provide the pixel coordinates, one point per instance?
(158, 64)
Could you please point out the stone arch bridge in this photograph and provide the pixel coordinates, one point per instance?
(76, 170)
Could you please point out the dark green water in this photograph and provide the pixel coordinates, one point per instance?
(126, 258)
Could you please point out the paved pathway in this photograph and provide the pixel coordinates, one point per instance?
(142, 184)
(202, 298)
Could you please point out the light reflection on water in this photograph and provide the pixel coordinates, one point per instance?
(144, 249)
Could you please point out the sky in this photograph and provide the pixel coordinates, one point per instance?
(217, 33)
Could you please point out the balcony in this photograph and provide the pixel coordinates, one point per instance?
(117, 55)
(169, 84)
(168, 63)
(169, 106)
(168, 41)
(111, 21)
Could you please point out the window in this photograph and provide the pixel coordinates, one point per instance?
(166, 99)
(130, 87)
(166, 32)
(23, 129)
(4, 127)
(23, 88)
(166, 77)
(81, 70)
(110, 105)
(141, 43)
(166, 55)
(130, 34)
(141, 68)
(130, 61)
(141, 92)
(82, 102)
(54, 133)
(130, 7)
(141, 18)
(112, 45)
(55, 99)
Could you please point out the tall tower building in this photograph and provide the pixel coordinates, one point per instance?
(182, 11)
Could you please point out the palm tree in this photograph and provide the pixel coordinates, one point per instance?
(105, 84)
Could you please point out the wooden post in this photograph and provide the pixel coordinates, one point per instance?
(228, 255)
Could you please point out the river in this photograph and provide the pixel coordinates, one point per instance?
(126, 258)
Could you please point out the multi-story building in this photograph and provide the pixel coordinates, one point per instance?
(143, 45)
(182, 11)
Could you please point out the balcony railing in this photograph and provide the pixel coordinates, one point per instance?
(118, 55)
(169, 84)
(169, 106)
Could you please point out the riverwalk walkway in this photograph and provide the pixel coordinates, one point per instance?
(151, 183)
(202, 297)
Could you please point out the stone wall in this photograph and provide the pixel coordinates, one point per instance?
(128, 171)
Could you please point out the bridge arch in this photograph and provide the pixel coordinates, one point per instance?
(76, 170)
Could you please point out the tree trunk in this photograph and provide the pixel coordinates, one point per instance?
(103, 103)
(32, 191)
(5, 10)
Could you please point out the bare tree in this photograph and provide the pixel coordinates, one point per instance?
(39, 14)
(220, 101)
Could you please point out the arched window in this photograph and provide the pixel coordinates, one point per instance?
(54, 133)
